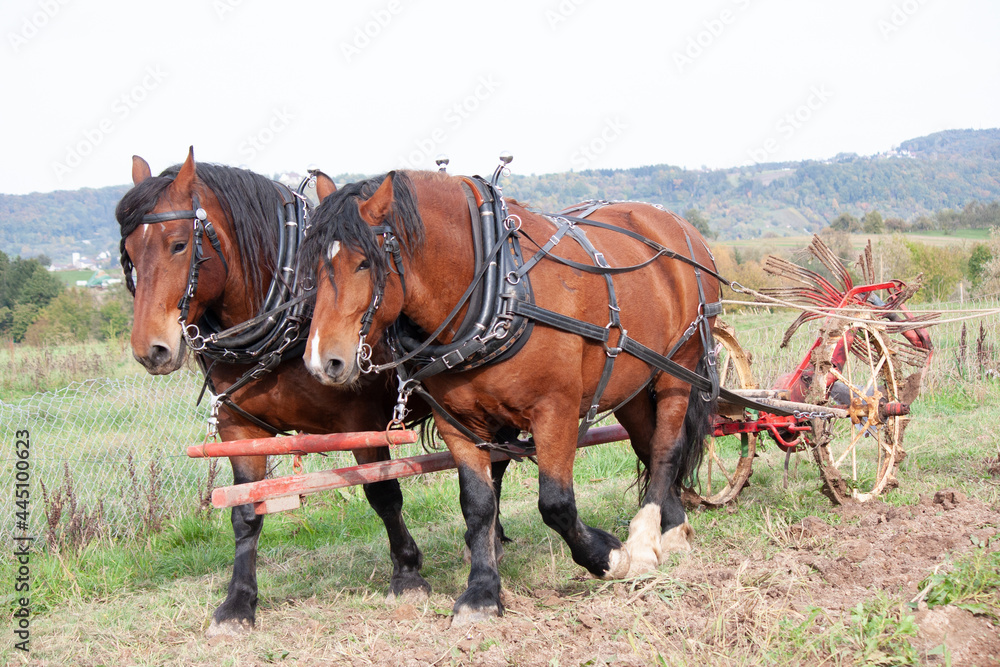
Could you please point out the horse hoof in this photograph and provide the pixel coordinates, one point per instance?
(677, 539)
(619, 563)
(466, 615)
(231, 627)
(641, 553)
(410, 595)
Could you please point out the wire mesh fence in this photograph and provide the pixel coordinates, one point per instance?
(121, 442)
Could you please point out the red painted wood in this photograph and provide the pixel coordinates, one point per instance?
(296, 485)
(303, 444)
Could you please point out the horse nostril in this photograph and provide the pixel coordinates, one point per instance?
(159, 354)
(333, 367)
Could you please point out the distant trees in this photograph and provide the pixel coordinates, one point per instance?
(82, 314)
(974, 215)
(872, 223)
(700, 222)
(25, 288)
(36, 308)
(845, 222)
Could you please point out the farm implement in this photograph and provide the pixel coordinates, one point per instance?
(847, 402)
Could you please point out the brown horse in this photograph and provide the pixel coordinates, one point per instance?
(551, 380)
(244, 209)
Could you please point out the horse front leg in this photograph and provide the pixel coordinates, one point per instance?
(387, 501)
(236, 614)
(477, 496)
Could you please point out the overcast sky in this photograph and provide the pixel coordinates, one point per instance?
(372, 85)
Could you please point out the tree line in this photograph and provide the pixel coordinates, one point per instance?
(37, 308)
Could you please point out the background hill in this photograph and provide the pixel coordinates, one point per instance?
(923, 175)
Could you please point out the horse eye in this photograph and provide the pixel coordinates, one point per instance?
(178, 247)
(365, 264)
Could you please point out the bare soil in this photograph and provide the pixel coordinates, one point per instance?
(716, 606)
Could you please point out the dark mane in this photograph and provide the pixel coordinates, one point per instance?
(250, 201)
(338, 219)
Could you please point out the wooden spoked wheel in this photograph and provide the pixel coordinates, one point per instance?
(858, 456)
(727, 460)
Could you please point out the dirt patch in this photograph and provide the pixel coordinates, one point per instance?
(718, 605)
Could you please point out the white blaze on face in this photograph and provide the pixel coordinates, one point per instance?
(315, 364)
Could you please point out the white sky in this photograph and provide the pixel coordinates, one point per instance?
(562, 84)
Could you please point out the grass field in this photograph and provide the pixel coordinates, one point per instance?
(323, 569)
(782, 244)
(69, 278)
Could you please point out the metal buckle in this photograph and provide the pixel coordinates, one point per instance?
(452, 359)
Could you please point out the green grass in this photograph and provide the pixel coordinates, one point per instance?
(971, 583)
(858, 241)
(335, 548)
(27, 370)
(69, 278)
(953, 236)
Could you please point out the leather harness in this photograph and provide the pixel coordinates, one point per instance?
(507, 311)
(277, 333)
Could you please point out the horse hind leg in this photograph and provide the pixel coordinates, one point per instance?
(680, 423)
(683, 423)
(641, 552)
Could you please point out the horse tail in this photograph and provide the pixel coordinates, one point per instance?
(697, 426)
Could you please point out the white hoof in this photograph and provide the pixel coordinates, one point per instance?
(619, 561)
(411, 596)
(229, 628)
(466, 615)
(676, 539)
(641, 552)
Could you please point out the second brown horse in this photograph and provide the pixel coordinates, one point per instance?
(546, 386)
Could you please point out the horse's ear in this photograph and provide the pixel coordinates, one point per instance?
(377, 207)
(185, 177)
(140, 170)
(324, 186)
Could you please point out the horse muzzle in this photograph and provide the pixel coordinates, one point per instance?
(160, 358)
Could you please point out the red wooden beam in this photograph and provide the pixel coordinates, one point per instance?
(275, 495)
(303, 444)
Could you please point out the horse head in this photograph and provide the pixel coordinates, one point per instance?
(161, 243)
(362, 231)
